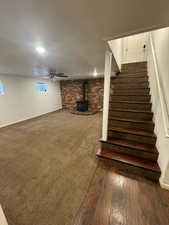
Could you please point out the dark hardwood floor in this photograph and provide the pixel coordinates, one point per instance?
(114, 198)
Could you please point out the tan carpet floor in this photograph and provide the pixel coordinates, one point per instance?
(46, 165)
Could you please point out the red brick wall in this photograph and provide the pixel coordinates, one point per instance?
(72, 92)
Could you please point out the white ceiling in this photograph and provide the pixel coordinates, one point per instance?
(72, 31)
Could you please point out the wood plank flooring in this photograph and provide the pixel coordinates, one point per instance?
(114, 198)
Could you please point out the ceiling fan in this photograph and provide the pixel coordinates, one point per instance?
(53, 74)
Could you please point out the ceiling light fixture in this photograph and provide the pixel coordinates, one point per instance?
(95, 73)
(40, 50)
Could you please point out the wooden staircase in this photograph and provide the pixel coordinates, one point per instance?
(131, 139)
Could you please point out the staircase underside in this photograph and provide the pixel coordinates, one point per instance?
(131, 139)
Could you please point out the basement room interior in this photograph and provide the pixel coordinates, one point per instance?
(84, 112)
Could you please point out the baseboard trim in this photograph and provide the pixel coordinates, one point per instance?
(164, 185)
(3, 220)
(30, 118)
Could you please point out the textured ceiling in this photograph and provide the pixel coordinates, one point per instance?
(72, 31)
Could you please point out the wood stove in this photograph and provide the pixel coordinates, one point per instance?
(82, 106)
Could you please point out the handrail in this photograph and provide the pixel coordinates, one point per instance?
(163, 103)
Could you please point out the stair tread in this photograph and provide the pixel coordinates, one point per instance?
(130, 160)
(133, 144)
(126, 72)
(115, 94)
(133, 88)
(143, 63)
(129, 95)
(132, 131)
(129, 70)
(133, 82)
(131, 110)
(130, 102)
(132, 75)
(127, 92)
(130, 120)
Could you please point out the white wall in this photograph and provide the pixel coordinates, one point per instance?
(116, 47)
(160, 45)
(133, 48)
(22, 101)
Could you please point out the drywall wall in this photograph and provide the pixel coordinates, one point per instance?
(116, 47)
(158, 66)
(161, 45)
(134, 48)
(22, 101)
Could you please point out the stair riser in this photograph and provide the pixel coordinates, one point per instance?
(131, 125)
(129, 151)
(135, 106)
(132, 75)
(132, 137)
(129, 169)
(131, 85)
(130, 80)
(131, 115)
(134, 71)
(144, 98)
(132, 91)
(140, 65)
(134, 67)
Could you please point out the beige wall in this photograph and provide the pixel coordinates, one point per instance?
(21, 100)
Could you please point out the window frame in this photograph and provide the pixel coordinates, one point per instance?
(2, 90)
(42, 87)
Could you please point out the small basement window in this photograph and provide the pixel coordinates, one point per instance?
(42, 87)
(2, 92)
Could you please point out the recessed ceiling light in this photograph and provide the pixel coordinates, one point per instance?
(40, 50)
(95, 73)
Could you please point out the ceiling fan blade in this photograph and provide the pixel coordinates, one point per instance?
(61, 75)
(53, 74)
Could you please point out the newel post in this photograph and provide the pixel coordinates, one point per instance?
(107, 78)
